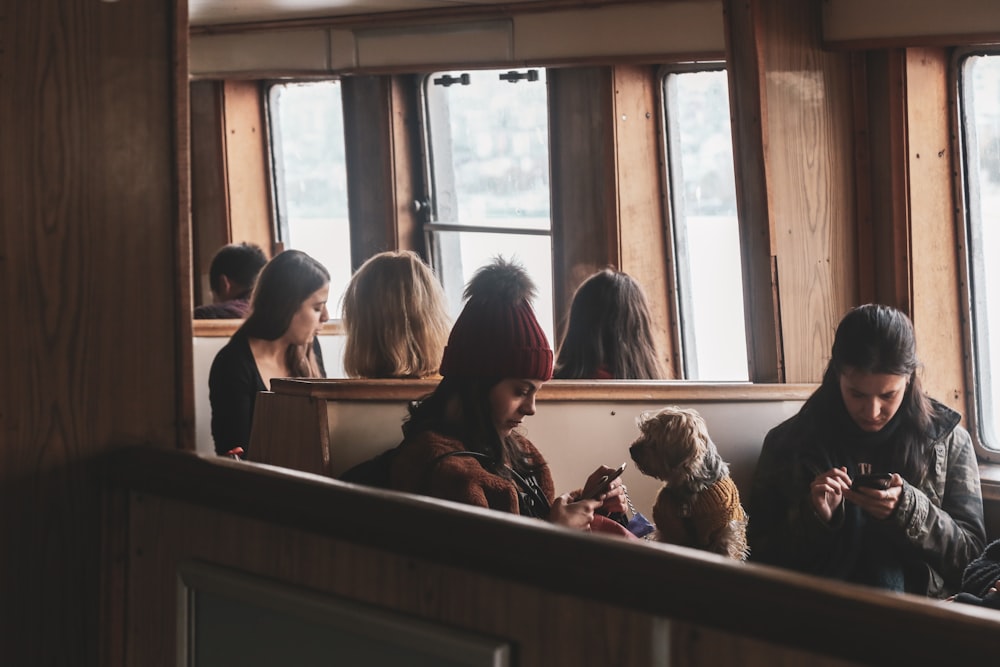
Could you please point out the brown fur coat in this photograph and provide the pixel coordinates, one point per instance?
(460, 478)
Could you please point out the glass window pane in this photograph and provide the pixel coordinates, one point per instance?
(310, 175)
(488, 167)
(981, 133)
(705, 228)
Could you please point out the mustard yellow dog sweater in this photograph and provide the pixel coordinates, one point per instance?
(711, 511)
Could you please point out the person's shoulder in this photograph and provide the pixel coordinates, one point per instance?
(792, 424)
(237, 309)
(428, 444)
(235, 352)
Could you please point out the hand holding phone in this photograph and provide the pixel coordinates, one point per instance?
(872, 482)
(604, 484)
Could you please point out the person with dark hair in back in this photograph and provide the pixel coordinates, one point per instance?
(609, 335)
(232, 276)
(872, 482)
(277, 340)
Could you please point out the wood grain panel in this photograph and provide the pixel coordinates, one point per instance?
(371, 177)
(747, 109)
(807, 145)
(584, 200)
(935, 223)
(89, 228)
(545, 629)
(290, 421)
(209, 190)
(642, 219)
(497, 573)
(810, 153)
(246, 165)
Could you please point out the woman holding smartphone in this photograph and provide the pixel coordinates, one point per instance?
(462, 443)
(871, 482)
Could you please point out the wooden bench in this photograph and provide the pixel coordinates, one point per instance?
(327, 426)
(559, 597)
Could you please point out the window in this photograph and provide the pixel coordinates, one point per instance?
(979, 81)
(487, 146)
(310, 175)
(704, 225)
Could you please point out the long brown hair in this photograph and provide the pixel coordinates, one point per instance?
(395, 318)
(282, 287)
(608, 328)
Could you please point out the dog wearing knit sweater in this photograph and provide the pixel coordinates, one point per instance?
(698, 504)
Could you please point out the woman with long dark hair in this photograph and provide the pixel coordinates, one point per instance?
(871, 482)
(277, 340)
(609, 334)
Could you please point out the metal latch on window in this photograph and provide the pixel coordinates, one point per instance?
(513, 76)
(449, 80)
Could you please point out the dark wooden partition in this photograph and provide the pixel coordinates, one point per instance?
(560, 597)
(94, 317)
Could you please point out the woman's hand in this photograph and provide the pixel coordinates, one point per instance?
(577, 514)
(878, 503)
(613, 499)
(827, 491)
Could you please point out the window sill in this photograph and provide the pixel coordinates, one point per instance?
(989, 475)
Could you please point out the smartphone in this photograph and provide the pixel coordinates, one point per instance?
(872, 481)
(605, 482)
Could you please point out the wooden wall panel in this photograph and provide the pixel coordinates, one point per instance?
(642, 221)
(545, 629)
(935, 243)
(381, 110)
(247, 169)
(807, 145)
(582, 163)
(810, 154)
(209, 183)
(90, 188)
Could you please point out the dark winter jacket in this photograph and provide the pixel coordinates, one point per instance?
(922, 547)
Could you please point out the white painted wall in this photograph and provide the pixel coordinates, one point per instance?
(576, 436)
(205, 349)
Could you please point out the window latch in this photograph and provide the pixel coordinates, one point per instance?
(513, 76)
(449, 80)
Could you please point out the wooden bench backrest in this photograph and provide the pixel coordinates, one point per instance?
(578, 425)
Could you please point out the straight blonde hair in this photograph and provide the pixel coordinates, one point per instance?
(395, 318)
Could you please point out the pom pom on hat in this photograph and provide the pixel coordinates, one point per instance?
(497, 334)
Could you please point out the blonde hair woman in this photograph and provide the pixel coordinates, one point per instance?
(395, 318)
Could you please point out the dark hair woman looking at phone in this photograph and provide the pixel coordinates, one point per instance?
(462, 441)
(817, 504)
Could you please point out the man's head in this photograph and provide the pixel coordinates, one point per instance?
(234, 271)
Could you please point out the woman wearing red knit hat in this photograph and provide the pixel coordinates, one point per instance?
(461, 441)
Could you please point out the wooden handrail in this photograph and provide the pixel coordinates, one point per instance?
(555, 390)
(765, 603)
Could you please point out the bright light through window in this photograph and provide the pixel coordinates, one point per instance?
(310, 174)
(488, 144)
(705, 229)
(980, 81)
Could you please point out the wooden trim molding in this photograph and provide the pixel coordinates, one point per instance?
(226, 328)
(555, 390)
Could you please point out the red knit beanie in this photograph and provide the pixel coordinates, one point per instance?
(497, 335)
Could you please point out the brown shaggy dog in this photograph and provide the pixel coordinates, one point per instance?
(698, 504)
